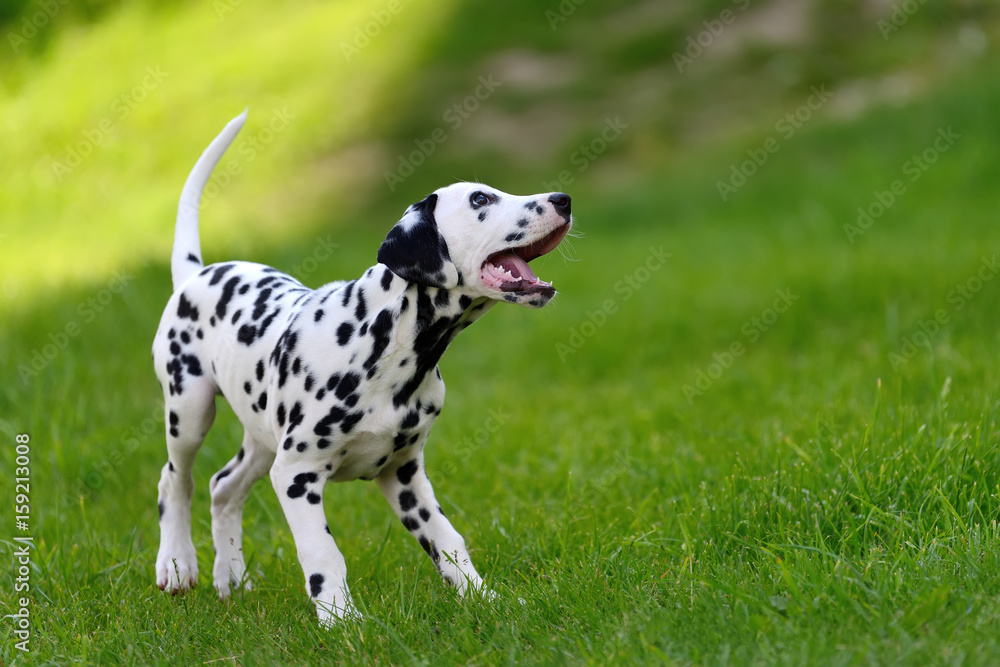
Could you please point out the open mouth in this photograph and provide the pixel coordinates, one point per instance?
(508, 270)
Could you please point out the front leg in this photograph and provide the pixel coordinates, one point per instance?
(299, 486)
(409, 492)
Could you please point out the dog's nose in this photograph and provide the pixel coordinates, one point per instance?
(561, 202)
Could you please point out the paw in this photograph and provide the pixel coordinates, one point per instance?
(177, 571)
(229, 584)
(331, 615)
(230, 576)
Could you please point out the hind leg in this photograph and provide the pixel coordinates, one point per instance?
(188, 418)
(230, 488)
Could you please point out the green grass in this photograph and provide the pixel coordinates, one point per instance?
(819, 502)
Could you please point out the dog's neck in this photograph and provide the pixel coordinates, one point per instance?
(425, 319)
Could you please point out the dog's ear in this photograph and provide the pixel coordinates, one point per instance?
(415, 250)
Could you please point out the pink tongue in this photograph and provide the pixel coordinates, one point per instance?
(517, 267)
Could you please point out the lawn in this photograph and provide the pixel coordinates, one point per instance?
(756, 427)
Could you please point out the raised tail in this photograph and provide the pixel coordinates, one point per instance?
(186, 257)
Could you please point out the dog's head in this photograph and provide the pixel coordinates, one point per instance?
(478, 239)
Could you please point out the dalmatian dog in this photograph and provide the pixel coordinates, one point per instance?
(334, 384)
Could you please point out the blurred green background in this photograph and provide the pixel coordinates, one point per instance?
(776, 446)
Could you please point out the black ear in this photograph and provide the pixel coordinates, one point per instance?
(415, 250)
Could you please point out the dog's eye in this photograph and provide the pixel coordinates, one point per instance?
(478, 199)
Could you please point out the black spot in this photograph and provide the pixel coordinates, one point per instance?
(222, 474)
(227, 294)
(175, 349)
(363, 329)
(281, 414)
(245, 288)
(240, 455)
(260, 305)
(186, 310)
(482, 215)
(318, 316)
(193, 258)
(332, 383)
(350, 421)
(362, 308)
(387, 280)
(522, 223)
(298, 487)
(161, 507)
(381, 331)
(171, 334)
(313, 498)
(347, 385)
(410, 523)
(335, 415)
(185, 337)
(464, 301)
(424, 514)
(262, 401)
(220, 271)
(381, 461)
(399, 442)
(200, 334)
(323, 443)
(295, 416)
(174, 419)
(320, 394)
(442, 298)
(297, 366)
(347, 293)
(247, 387)
(411, 419)
(407, 500)
(514, 236)
(170, 466)
(192, 363)
(236, 316)
(406, 471)
(316, 581)
(309, 382)
(351, 400)
(260, 370)
(430, 549)
(211, 320)
(287, 444)
(301, 447)
(266, 281)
